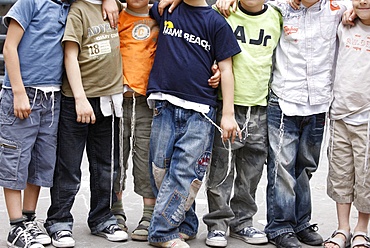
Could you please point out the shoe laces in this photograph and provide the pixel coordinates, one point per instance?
(113, 228)
(33, 228)
(218, 233)
(251, 231)
(314, 227)
(25, 236)
(63, 234)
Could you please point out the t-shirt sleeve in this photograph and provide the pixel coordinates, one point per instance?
(226, 44)
(153, 12)
(74, 27)
(22, 12)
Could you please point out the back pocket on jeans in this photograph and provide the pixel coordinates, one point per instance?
(9, 159)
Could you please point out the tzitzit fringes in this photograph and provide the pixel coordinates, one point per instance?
(133, 124)
(112, 160)
(281, 137)
(245, 125)
(52, 98)
(121, 146)
(228, 149)
(366, 166)
(331, 146)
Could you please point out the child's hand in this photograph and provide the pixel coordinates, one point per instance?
(224, 6)
(22, 108)
(230, 128)
(85, 113)
(214, 81)
(348, 17)
(164, 3)
(294, 3)
(110, 11)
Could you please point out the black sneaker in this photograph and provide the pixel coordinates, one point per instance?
(62, 238)
(113, 233)
(38, 232)
(286, 240)
(19, 237)
(310, 236)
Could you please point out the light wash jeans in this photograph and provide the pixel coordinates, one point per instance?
(294, 152)
(180, 152)
(248, 158)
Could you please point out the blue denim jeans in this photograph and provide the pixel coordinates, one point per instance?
(72, 139)
(248, 159)
(180, 152)
(294, 152)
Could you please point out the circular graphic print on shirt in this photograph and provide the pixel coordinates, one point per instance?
(141, 32)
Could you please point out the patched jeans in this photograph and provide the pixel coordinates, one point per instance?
(72, 139)
(248, 158)
(180, 152)
(294, 152)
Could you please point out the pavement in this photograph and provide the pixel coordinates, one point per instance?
(323, 213)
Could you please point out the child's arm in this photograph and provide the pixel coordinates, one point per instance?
(84, 111)
(22, 108)
(110, 11)
(228, 123)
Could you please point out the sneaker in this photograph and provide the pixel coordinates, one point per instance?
(185, 237)
(19, 237)
(113, 233)
(310, 235)
(286, 240)
(141, 231)
(174, 243)
(38, 232)
(250, 235)
(216, 238)
(62, 238)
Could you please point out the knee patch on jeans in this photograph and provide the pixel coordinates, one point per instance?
(193, 191)
(158, 174)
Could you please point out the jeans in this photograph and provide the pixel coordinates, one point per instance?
(72, 138)
(294, 152)
(180, 152)
(248, 158)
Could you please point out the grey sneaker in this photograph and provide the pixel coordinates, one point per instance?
(113, 233)
(19, 237)
(250, 235)
(38, 232)
(216, 238)
(62, 238)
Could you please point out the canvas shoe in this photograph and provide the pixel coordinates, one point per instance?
(174, 243)
(38, 232)
(250, 235)
(216, 238)
(19, 237)
(113, 233)
(62, 238)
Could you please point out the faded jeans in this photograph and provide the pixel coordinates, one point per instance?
(294, 152)
(180, 152)
(248, 158)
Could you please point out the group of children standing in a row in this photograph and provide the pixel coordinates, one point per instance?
(165, 62)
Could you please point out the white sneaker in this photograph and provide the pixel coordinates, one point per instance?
(216, 238)
(113, 233)
(173, 243)
(62, 239)
(38, 232)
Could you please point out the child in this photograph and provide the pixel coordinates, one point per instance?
(191, 38)
(300, 97)
(30, 103)
(138, 42)
(91, 100)
(349, 175)
(257, 28)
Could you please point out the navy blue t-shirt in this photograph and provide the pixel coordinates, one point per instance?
(190, 40)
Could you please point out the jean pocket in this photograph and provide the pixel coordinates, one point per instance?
(175, 211)
(7, 116)
(10, 153)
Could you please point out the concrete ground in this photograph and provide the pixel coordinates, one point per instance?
(323, 212)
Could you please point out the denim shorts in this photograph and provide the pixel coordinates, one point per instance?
(28, 146)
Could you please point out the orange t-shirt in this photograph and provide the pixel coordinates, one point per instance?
(138, 42)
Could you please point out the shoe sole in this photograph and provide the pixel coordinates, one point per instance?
(44, 241)
(113, 239)
(213, 243)
(137, 237)
(279, 246)
(253, 241)
(60, 245)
